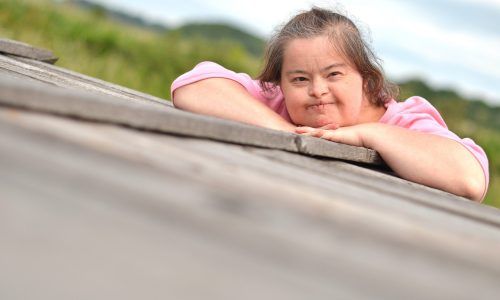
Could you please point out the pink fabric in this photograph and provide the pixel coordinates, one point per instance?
(208, 69)
(415, 113)
(418, 114)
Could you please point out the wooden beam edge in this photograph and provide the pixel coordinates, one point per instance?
(148, 117)
(16, 48)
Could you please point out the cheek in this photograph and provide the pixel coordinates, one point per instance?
(292, 97)
(295, 106)
(354, 94)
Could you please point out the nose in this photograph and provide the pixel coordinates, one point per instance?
(318, 88)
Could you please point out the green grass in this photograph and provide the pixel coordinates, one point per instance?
(92, 44)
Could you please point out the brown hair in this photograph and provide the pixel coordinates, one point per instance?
(346, 39)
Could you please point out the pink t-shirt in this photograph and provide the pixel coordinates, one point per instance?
(415, 113)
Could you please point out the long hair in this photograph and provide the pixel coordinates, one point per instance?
(345, 38)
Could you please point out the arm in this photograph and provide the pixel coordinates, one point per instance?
(424, 158)
(228, 99)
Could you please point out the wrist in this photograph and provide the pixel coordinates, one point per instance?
(373, 134)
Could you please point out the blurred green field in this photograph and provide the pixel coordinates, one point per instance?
(92, 43)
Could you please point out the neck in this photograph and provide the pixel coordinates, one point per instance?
(372, 113)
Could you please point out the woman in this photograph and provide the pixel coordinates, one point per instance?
(321, 79)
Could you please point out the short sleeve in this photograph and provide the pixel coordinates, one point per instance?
(206, 70)
(418, 114)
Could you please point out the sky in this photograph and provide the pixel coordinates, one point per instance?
(447, 43)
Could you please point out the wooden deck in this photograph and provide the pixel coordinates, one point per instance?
(110, 193)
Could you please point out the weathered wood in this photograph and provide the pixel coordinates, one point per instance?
(49, 74)
(17, 48)
(16, 76)
(318, 147)
(402, 189)
(140, 115)
(99, 85)
(150, 117)
(170, 220)
(383, 193)
(88, 199)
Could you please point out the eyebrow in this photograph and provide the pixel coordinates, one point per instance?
(335, 65)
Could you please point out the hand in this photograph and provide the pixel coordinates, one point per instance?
(351, 135)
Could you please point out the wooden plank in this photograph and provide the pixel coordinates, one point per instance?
(112, 110)
(362, 187)
(69, 237)
(42, 73)
(150, 117)
(378, 180)
(16, 76)
(318, 147)
(97, 83)
(17, 48)
(171, 224)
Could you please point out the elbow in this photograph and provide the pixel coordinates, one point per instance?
(183, 97)
(196, 97)
(184, 94)
(474, 189)
(472, 179)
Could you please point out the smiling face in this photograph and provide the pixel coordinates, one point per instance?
(320, 87)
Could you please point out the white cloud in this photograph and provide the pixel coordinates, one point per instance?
(414, 44)
(493, 3)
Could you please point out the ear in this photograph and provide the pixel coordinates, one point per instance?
(365, 85)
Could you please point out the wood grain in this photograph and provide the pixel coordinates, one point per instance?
(17, 48)
(101, 203)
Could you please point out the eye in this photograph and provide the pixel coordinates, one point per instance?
(333, 74)
(299, 79)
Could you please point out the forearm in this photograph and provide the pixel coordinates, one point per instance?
(428, 159)
(228, 99)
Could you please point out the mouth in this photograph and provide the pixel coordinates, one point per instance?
(320, 106)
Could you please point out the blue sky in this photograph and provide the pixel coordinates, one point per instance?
(448, 43)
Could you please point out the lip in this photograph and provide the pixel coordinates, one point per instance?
(320, 106)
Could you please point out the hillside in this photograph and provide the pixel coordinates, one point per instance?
(116, 14)
(92, 42)
(217, 32)
(457, 108)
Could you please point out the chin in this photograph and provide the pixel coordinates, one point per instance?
(321, 123)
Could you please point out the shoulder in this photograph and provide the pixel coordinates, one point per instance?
(414, 104)
(207, 70)
(412, 112)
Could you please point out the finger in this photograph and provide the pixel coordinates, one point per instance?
(331, 137)
(310, 133)
(313, 132)
(331, 126)
(304, 129)
(318, 133)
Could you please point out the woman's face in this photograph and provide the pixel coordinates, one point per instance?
(320, 87)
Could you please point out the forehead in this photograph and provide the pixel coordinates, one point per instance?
(306, 51)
